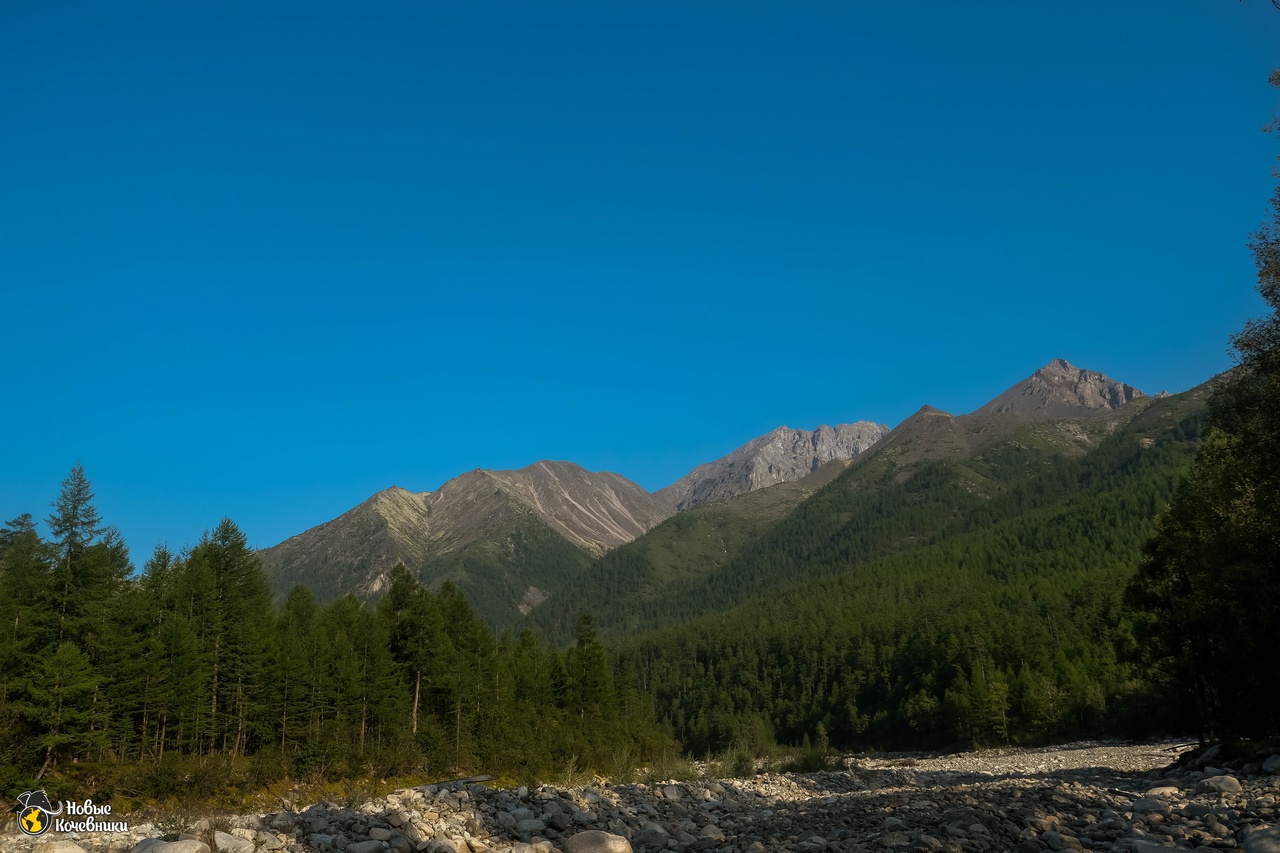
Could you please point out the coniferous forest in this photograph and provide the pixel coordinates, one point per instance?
(167, 680)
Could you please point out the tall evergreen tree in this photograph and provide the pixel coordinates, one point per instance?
(1209, 586)
(75, 521)
(589, 685)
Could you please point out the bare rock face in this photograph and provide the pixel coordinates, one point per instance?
(1061, 390)
(594, 511)
(782, 456)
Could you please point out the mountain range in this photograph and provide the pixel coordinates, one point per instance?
(509, 538)
(549, 540)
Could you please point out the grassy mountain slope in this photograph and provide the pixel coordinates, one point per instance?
(625, 586)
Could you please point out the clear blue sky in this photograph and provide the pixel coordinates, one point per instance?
(261, 260)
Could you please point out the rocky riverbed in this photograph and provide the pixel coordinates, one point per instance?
(1103, 797)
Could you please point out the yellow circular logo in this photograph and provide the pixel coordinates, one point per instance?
(33, 821)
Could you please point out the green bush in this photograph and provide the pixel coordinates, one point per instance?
(812, 760)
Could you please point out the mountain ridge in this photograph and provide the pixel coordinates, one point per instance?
(530, 531)
(779, 456)
(355, 552)
(895, 495)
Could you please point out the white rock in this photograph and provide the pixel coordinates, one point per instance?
(225, 842)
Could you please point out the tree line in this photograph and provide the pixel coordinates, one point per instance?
(188, 661)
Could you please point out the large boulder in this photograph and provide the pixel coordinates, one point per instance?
(1263, 840)
(596, 841)
(1219, 785)
(225, 842)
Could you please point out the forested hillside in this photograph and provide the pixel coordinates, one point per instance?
(932, 477)
(946, 616)
(104, 673)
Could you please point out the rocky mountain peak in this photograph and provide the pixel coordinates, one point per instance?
(782, 455)
(1062, 390)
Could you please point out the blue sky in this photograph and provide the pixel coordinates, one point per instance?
(262, 264)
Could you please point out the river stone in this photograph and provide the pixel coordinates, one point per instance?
(1263, 840)
(1219, 784)
(442, 845)
(1058, 841)
(596, 841)
(711, 831)
(184, 845)
(369, 846)
(227, 843)
(267, 841)
(530, 825)
(145, 844)
(379, 833)
(189, 845)
(1139, 845)
(671, 792)
(653, 837)
(61, 846)
(1271, 765)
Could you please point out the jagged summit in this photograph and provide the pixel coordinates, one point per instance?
(1062, 390)
(780, 456)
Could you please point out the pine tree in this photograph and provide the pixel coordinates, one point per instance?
(75, 521)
